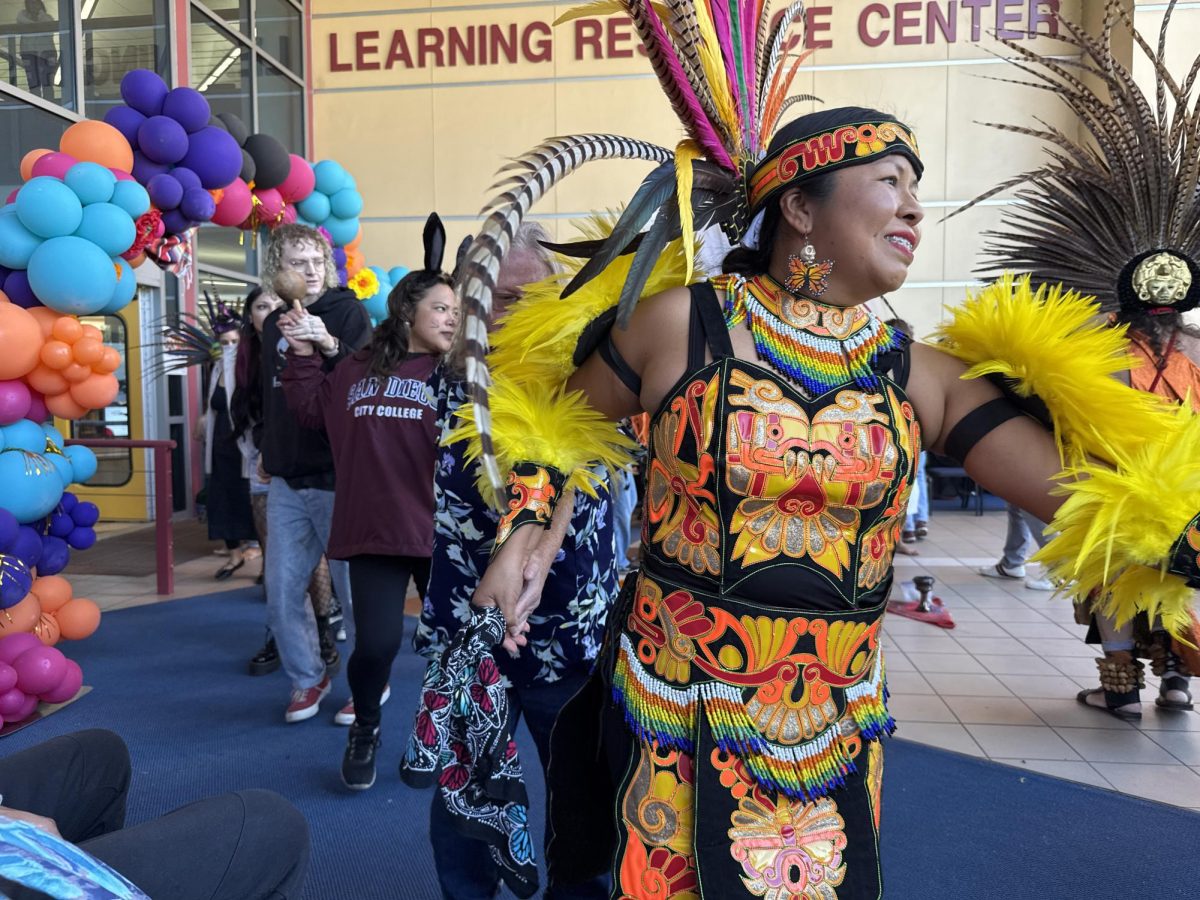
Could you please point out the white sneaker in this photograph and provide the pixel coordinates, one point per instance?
(1040, 584)
(345, 715)
(999, 570)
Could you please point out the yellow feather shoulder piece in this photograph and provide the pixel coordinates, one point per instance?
(1131, 461)
(534, 417)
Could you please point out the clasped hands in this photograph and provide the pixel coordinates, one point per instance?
(303, 331)
(513, 582)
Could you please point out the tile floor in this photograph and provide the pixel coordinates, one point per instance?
(1001, 685)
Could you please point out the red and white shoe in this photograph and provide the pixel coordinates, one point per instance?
(306, 701)
(345, 715)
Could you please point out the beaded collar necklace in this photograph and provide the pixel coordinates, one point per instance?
(818, 346)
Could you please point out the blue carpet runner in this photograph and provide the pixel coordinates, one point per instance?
(170, 678)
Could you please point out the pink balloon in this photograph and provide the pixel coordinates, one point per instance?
(54, 164)
(37, 407)
(8, 678)
(300, 181)
(15, 644)
(272, 204)
(289, 215)
(15, 400)
(12, 195)
(68, 687)
(11, 702)
(27, 708)
(40, 669)
(234, 206)
(122, 176)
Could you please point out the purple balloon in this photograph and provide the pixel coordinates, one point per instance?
(198, 205)
(55, 556)
(8, 529)
(176, 222)
(8, 678)
(27, 546)
(61, 525)
(14, 401)
(40, 669)
(68, 503)
(162, 140)
(144, 91)
(12, 702)
(188, 107)
(144, 169)
(86, 514)
(127, 121)
(339, 257)
(165, 191)
(81, 538)
(214, 156)
(15, 581)
(16, 287)
(15, 644)
(189, 179)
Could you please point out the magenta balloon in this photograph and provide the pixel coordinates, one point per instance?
(37, 407)
(122, 176)
(55, 164)
(214, 156)
(15, 644)
(71, 682)
(11, 702)
(299, 182)
(39, 669)
(27, 708)
(8, 678)
(234, 206)
(272, 203)
(12, 195)
(163, 140)
(14, 401)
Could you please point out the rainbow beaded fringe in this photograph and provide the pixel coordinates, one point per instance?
(655, 711)
(815, 345)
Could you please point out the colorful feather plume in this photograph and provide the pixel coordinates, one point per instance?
(721, 65)
(189, 340)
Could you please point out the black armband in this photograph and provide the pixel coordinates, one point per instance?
(597, 338)
(977, 424)
(530, 496)
(1185, 555)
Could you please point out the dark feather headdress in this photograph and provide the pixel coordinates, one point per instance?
(1115, 214)
(189, 340)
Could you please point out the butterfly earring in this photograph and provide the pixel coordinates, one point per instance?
(807, 275)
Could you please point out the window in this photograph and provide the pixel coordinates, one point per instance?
(234, 13)
(221, 69)
(278, 30)
(120, 35)
(115, 466)
(226, 248)
(24, 127)
(37, 49)
(280, 107)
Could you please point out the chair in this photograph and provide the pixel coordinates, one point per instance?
(944, 468)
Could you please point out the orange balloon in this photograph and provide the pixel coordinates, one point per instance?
(67, 328)
(78, 619)
(53, 592)
(46, 317)
(64, 407)
(88, 351)
(47, 629)
(21, 616)
(20, 340)
(47, 381)
(96, 392)
(77, 373)
(110, 361)
(27, 162)
(97, 142)
(137, 260)
(56, 355)
(91, 331)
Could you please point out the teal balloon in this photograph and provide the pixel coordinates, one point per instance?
(108, 227)
(17, 242)
(72, 276)
(91, 182)
(126, 289)
(83, 461)
(330, 177)
(314, 207)
(131, 197)
(53, 435)
(350, 184)
(343, 231)
(346, 204)
(24, 435)
(396, 273)
(32, 485)
(377, 307)
(48, 208)
(64, 468)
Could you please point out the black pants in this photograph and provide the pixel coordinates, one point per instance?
(379, 585)
(238, 846)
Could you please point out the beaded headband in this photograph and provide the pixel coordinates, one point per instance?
(826, 151)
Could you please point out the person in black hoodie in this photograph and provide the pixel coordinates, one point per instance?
(298, 459)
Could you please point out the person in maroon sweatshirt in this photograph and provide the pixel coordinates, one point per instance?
(378, 408)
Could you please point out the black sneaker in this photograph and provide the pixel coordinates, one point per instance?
(266, 660)
(358, 762)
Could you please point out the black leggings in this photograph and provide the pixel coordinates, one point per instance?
(378, 585)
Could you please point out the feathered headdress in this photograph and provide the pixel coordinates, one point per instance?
(722, 66)
(189, 340)
(1115, 214)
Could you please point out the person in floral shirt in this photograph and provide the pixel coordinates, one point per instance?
(566, 631)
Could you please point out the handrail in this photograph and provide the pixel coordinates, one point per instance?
(164, 533)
